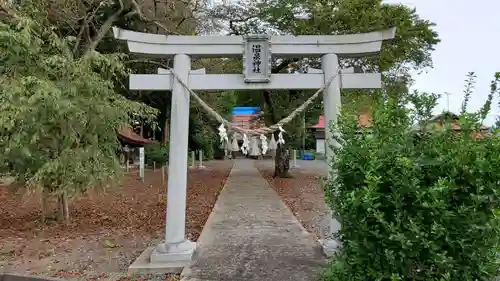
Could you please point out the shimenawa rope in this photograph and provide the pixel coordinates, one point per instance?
(263, 130)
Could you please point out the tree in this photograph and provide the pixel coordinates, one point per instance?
(85, 19)
(60, 110)
(411, 48)
(417, 205)
(89, 21)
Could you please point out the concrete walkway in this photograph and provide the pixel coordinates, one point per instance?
(252, 235)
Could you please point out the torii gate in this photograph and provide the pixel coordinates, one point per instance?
(256, 51)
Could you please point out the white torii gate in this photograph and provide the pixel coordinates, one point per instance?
(256, 50)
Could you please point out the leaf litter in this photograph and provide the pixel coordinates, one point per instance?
(303, 194)
(107, 230)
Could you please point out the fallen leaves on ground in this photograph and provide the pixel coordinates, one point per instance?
(107, 230)
(303, 194)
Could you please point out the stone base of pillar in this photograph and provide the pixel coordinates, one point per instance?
(164, 259)
(173, 252)
(330, 247)
(330, 228)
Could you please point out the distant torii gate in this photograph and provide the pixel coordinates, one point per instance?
(256, 51)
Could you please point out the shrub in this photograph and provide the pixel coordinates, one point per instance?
(416, 205)
(218, 151)
(157, 153)
(59, 111)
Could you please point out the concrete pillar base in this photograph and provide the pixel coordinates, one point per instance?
(330, 247)
(173, 252)
(152, 261)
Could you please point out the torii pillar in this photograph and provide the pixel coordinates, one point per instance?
(176, 247)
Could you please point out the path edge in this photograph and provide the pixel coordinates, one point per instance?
(187, 269)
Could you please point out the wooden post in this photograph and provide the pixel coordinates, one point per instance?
(200, 158)
(295, 159)
(162, 175)
(141, 163)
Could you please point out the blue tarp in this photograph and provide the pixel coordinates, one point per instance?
(245, 110)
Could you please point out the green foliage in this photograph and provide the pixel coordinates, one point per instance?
(411, 49)
(156, 153)
(203, 128)
(416, 206)
(59, 112)
(203, 138)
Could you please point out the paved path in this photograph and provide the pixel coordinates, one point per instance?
(318, 167)
(252, 235)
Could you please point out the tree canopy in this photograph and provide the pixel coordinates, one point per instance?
(60, 112)
(64, 76)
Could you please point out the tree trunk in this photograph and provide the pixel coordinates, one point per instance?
(63, 208)
(44, 204)
(165, 132)
(281, 162)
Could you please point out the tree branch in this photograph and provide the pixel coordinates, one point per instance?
(144, 18)
(147, 61)
(266, 94)
(283, 65)
(232, 27)
(104, 29)
(4, 7)
(86, 20)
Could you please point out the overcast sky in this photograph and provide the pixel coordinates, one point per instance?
(470, 41)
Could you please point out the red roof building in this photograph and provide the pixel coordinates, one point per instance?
(246, 121)
(128, 136)
(364, 120)
(448, 118)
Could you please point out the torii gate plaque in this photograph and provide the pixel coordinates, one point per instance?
(257, 59)
(176, 252)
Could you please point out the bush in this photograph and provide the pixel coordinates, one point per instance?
(416, 206)
(157, 153)
(218, 151)
(203, 137)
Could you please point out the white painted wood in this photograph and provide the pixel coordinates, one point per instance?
(191, 72)
(320, 146)
(200, 159)
(141, 163)
(295, 159)
(331, 99)
(215, 82)
(348, 70)
(193, 159)
(236, 50)
(123, 34)
(178, 160)
(351, 45)
(314, 70)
